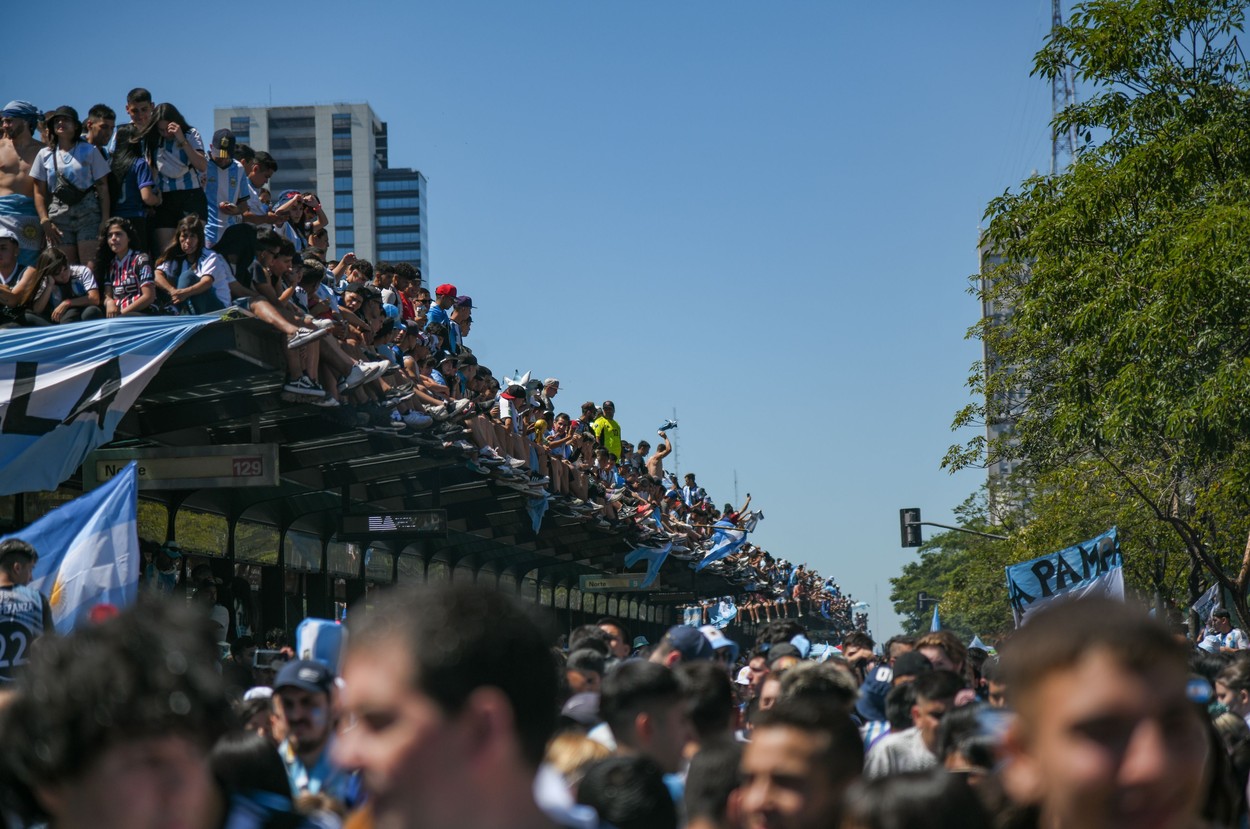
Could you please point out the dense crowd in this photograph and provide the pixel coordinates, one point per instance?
(450, 707)
(147, 218)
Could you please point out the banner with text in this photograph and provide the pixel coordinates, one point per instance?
(1091, 568)
(64, 388)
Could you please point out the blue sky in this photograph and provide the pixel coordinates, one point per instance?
(762, 215)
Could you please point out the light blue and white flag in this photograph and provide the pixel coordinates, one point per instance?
(88, 550)
(936, 624)
(1091, 568)
(655, 558)
(537, 508)
(725, 542)
(64, 388)
(722, 613)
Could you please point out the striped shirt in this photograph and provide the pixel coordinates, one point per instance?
(173, 164)
(128, 275)
(228, 185)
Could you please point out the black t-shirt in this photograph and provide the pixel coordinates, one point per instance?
(25, 615)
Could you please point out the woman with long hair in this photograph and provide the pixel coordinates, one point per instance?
(196, 279)
(129, 284)
(135, 182)
(71, 186)
(175, 151)
(72, 292)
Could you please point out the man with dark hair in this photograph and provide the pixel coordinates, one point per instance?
(618, 636)
(896, 646)
(912, 749)
(628, 793)
(1221, 636)
(710, 780)
(995, 683)
(303, 697)
(98, 128)
(584, 671)
(799, 762)
(25, 614)
(111, 726)
(452, 691)
(709, 699)
(643, 705)
(1104, 733)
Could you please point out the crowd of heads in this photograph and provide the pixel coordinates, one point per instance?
(454, 706)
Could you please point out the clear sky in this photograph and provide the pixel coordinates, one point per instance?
(762, 215)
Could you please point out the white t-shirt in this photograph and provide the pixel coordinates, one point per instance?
(82, 166)
(212, 263)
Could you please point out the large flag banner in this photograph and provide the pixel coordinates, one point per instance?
(64, 388)
(88, 550)
(1207, 602)
(655, 558)
(1091, 568)
(725, 542)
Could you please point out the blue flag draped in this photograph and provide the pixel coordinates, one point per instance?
(88, 550)
(936, 624)
(722, 613)
(537, 508)
(655, 558)
(64, 388)
(725, 542)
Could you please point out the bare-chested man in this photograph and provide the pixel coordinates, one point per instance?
(655, 463)
(18, 149)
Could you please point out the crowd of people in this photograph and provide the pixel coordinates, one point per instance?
(106, 221)
(451, 707)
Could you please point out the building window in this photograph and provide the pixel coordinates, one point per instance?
(344, 237)
(344, 218)
(343, 201)
(402, 253)
(342, 165)
(405, 220)
(342, 183)
(341, 122)
(308, 122)
(398, 203)
(241, 127)
(391, 185)
(341, 144)
(393, 238)
(347, 153)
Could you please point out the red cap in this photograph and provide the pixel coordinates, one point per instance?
(445, 290)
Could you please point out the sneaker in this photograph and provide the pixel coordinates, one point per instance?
(323, 325)
(304, 387)
(328, 402)
(416, 420)
(375, 370)
(352, 379)
(303, 336)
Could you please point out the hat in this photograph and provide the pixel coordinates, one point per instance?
(641, 642)
(744, 675)
(582, 709)
(463, 300)
(550, 381)
(776, 652)
(719, 640)
(445, 289)
(5, 233)
(24, 110)
(691, 644)
(223, 144)
(170, 548)
(912, 663)
(513, 393)
(63, 112)
(257, 692)
(307, 675)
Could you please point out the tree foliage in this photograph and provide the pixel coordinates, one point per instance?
(1127, 276)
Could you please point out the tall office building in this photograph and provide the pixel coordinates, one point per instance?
(341, 151)
(1006, 492)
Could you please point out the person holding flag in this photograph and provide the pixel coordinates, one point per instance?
(25, 613)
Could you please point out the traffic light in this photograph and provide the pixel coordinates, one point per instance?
(909, 526)
(922, 602)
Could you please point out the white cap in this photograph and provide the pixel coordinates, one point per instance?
(744, 675)
(259, 692)
(6, 233)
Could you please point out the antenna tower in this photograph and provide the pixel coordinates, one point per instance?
(1062, 95)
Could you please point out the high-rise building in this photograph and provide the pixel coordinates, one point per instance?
(341, 151)
(1006, 492)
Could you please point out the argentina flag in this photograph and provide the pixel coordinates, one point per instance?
(64, 388)
(88, 550)
(725, 542)
(655, 558)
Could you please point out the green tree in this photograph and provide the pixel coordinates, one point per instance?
(1128, 279)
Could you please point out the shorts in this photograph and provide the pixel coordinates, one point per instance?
(80, 223)
(179, 203)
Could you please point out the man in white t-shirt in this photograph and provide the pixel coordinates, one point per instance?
(1221, 636)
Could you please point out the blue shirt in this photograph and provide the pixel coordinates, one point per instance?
(130, 200)
(437, 314)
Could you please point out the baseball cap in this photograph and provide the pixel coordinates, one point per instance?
(690, 643)
(6, 233)
(776, 652)
(744, 676)
(641, 642)
(719, 640)
(582, 709)
(464, 300)
(307, 675)
(223, 144)
(446, 289)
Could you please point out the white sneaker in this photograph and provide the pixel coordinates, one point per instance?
(328, 402)
(416, 420)
(304, 336)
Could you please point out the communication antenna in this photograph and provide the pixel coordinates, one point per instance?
(736, 502)
(676, 450)
(1062, 95)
